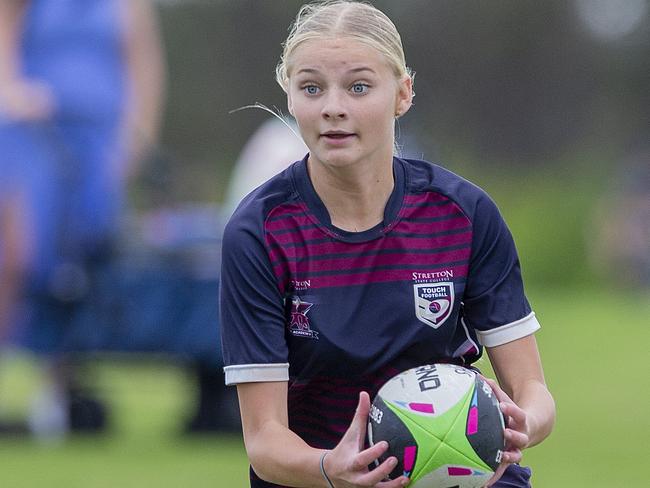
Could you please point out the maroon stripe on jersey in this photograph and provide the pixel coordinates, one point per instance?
(408, 228)
(394, 240)
(428, 205)
(362, 276)
(321, 410)
(432, 233)
(308, 423)
(289, 222)
(287, 210)
(298, 229)
(294, 255)
(282, 268)
(392, 243)
(315, 437)
(341, 387)
(297, 224)
(425, 199)
(288, 216)
(297, 235)
(376, 261)
(378, 276)
(328, 401)
(332, 421)
(324, 414)
(315, 236)
(431, 214)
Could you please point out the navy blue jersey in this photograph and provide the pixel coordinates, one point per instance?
(335, 312)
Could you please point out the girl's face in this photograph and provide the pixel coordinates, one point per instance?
(345, 96)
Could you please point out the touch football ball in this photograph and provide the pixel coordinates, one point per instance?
(443, 423)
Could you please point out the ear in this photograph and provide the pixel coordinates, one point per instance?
(290, 104)
(404, 98)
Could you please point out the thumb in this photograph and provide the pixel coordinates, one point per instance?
(357, 431)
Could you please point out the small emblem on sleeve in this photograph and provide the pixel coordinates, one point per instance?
(433, 302)
(298, 320)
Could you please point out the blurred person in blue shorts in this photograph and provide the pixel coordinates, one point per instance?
(12, 266)
(81, 85)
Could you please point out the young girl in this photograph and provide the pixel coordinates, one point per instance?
(326, 268)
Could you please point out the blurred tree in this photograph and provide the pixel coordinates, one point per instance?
(515, 82)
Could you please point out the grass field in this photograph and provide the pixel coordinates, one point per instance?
(594, 344)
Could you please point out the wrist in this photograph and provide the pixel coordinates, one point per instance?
(540, 416)
(323, 470)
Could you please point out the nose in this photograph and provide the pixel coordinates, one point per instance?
(334, 106)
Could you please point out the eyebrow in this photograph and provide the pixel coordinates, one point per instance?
(353, 70)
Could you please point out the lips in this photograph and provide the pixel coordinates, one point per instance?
(337, 135)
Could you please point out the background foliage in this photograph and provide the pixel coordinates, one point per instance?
(528, 99)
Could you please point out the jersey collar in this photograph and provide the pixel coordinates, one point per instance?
(319, 211)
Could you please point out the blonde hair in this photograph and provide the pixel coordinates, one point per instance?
(343, 18)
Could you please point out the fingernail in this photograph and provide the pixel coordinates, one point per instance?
(392, 462)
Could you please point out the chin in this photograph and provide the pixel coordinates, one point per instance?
(338, 161)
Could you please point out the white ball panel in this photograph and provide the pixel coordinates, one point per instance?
(429, 390)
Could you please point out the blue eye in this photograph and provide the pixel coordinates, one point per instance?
(360, 88)
(311, 89)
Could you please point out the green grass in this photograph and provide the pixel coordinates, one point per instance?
(594, 345)
(125, 461)
(593, 342)
(144, 448)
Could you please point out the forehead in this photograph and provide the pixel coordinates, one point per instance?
(337, 54)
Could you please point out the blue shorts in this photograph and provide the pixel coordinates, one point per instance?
(515, 477)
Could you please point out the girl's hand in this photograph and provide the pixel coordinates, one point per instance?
(347, 464)
(516, 432)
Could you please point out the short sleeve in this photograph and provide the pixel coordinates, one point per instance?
(251, 308)
(494, 304)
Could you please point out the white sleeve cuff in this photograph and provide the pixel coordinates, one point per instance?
(251, 373)
(509, 332)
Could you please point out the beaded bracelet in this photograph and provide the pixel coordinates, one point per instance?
(322, 469)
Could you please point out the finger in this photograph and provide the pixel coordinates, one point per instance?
(516, 439)
(368, 456)
(357, 431)
(515, 418)
(396, 483)
(362, 413)
(502, 396)
(511, 456)
(380, 473)
(513, 411)
(497, 474)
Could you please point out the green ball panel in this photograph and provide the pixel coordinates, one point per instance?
(427, 444)
(456, 439)
(449, 456)
(440, 439)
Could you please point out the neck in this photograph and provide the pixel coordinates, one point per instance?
(355, 197)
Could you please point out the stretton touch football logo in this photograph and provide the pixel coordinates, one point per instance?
(433, 302)
(298, 320)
